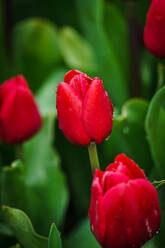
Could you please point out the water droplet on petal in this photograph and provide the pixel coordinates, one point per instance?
(158, 18)
(155, 212)
(149, 230)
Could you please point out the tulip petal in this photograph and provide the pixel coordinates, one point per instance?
(69, 111)
(131, 165)
(111, 178)
(97, 112)
(116, 208)
(147, 203)
(132, 213)
(80, 85)
(19, 116)
(96, 212)
(120, 168)
(70, 74)
(154, 37)
(11, 85)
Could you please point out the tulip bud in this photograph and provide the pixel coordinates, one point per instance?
(84, 109)
(19, 115)
(154, 36)
(124, 209)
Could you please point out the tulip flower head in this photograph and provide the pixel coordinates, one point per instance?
(19, 115)
(154, 35)
(124, 211)
(84, 109)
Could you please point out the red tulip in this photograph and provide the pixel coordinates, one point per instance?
(84, 109)
(124, 211)
(19, 115)
(154, 35)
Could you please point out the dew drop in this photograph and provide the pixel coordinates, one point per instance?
(126, 130)
(158, 18)
(155, 212)
(147, 224)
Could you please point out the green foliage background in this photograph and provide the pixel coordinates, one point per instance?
(42, 40)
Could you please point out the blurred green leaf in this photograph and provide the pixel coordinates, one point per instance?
(37, 186)
(155, 123)
(5, 230)
(16, 246)
(75, 161)
(39, 37)
(43, 175)
(4, 67)
(13, 185)
(53, 10)
(148, 68)
(77, 52)
(114, 20)
(46, 95)
(91, 15)
(149, 244)
(21, 226)
(128, 135)
(141, 10)
(54, 240)
(81, 237)
(36, 51)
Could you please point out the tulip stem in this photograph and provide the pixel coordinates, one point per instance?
(19, 151)
(93, 157)
(161, 70)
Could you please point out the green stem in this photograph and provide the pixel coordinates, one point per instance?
(93, 157)
(161, 70)
(19, 151)
(158, 184)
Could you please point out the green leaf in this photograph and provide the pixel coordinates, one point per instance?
(77, 52)
(44, 177)
(149, 244)
(4, 230)
(54, 11)
(114, 20)
(128, 135)
(21, 226)
(148, 70)
(78, 171)
(155, 123)
(54, 238)
(91, 15)
(81, 237)
(5, 70)
(41, 148)
(36, 51)
(14, 193)
(37, 186)
(16, 246)
(46, 95)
